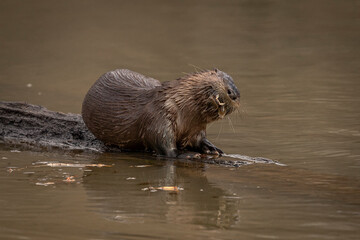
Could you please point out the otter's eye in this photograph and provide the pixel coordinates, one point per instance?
(231, 94)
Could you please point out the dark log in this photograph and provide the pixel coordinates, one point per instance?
(23, 123)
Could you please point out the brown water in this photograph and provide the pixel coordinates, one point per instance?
(297, 65)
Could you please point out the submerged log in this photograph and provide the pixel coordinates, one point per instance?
(23, 123)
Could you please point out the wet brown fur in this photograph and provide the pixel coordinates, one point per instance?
(135, 112)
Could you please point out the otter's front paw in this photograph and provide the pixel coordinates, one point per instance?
(209, 148)
(215, 151)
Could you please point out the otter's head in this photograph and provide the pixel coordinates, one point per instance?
(224, 95)
(202, 96)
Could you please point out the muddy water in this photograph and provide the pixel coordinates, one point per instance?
(297, 65)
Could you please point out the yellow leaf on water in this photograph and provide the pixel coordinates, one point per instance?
(170, 188)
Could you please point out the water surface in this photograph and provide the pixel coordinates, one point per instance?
(297, 65)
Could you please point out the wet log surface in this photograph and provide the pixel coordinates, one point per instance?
(22, 123)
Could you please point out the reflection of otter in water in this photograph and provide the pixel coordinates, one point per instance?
(135, 112)
(124, 200)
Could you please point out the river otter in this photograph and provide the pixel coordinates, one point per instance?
(135, 112)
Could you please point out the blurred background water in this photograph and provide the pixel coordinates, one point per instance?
(297, 65)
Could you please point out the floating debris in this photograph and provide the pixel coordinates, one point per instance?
(69, 179)
(4, 158)
(131, 178)
(232, 197)
(142, 166)
(165, 188)
(45, 164)
(44, 184)
(15, 151)
(29, 85)
(76, 165)
(151, 189)
(170, 188)
(38, 163)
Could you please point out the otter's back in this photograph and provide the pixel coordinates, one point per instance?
(111, 105)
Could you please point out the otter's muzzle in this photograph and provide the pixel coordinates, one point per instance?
(220, 105)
